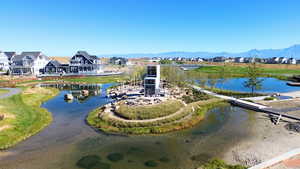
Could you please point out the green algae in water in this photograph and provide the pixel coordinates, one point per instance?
(133, 150)
(151, 163)
(164, 159)
(115, 157)
(88, 161)
(100, 165)
(203, 158)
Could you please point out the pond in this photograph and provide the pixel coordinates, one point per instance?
(269, 85)
(68, 139)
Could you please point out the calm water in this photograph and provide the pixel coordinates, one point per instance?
(68, 139)
(269, 85)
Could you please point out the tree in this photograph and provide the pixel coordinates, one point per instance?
(253, 82)
(223, 72)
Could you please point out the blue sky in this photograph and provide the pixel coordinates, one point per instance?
(61, 27)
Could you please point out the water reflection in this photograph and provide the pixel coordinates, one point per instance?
(79, 92)
(68, 140)
(269, 85)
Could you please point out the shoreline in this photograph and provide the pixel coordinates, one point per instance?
(267, 141)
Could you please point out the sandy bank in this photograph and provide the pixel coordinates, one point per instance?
(267, 141)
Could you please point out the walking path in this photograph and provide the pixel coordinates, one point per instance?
(112, 115)
(12, 91)
(289, 160)
(291, 94)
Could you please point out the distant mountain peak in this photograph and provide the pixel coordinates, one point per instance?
(292, 51)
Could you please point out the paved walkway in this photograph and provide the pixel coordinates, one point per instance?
(289, 160)
(12, 91)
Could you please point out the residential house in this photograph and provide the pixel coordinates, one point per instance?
(10, 55)
(28, 63)
(239, 60)
(4, 62)
(84, 63)
(283, 60)
(219, 59)
(273, 60)
(292, 61)
(199, 59)
(120, 60)
(55, 67)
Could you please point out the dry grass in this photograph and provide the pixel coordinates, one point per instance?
(261, 65)
(5, 127)
(60, 59)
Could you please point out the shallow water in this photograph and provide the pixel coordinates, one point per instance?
(269, 85)
(69, 138)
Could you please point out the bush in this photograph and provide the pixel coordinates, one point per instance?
(151, 163)
(114, 157)
(195, 96)
(269, 98)
(88, 161)
(220, 164)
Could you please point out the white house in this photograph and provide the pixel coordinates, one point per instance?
(239, 60)
(283, 60)
(292, 61)
(28, 63)
(4, 62)
(84, 63)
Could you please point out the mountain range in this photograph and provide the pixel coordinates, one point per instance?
(293, 51)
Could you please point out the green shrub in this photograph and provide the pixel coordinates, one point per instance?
(114, 157)
(269, 98)
(220, 164)
(88, 161)
(151, 163)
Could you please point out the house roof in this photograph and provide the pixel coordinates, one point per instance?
(10, 54)
(62, 60)
(32, 55)
(55, 63)
(86, 55)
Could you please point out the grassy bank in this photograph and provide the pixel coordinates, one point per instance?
(72, 79)
(241, 71)
(149, 112)
(23, 116)
(233, 93)
(186, 119)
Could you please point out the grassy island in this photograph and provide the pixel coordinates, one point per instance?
(149, 112)
(23, 116)
(186, 117)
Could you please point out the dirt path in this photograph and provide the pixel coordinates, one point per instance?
(12, 91)
(112, 115)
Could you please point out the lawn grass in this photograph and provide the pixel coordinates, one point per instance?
(27, 117)
(76, 79)
(97, 79)
(241, 71)
(149, 112)
(233, 93)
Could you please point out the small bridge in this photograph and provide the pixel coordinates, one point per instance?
(249, 105)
